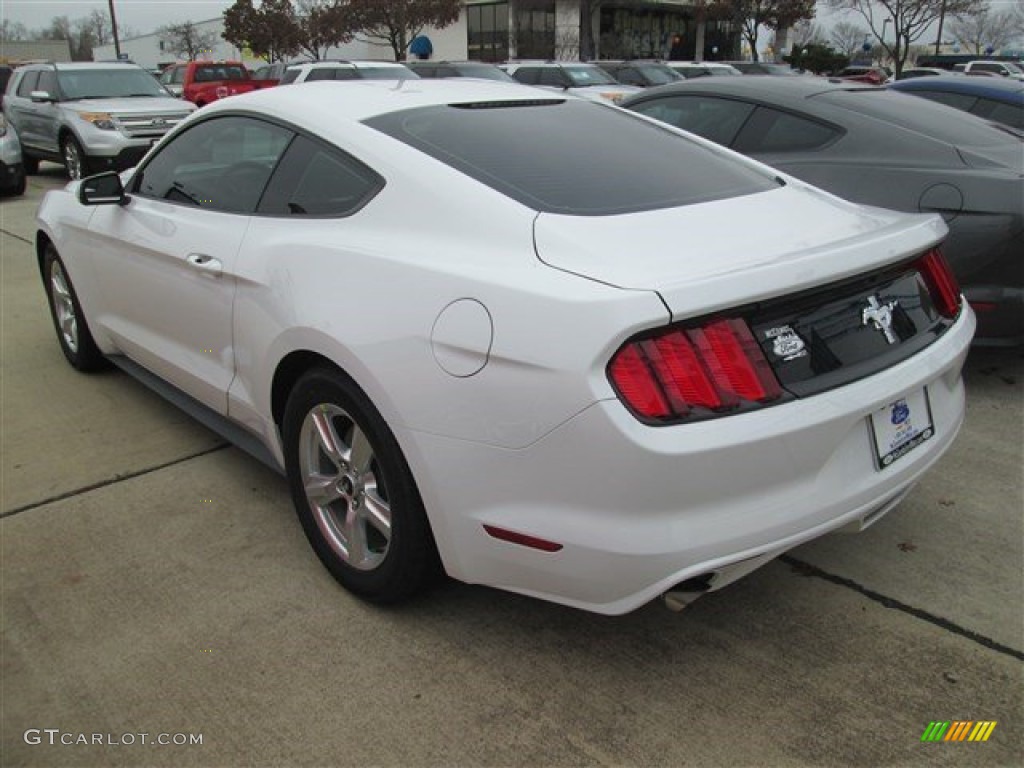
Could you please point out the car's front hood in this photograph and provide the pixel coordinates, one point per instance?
(142, 105)
(714, 255)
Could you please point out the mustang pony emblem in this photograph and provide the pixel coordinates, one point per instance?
(880, 316)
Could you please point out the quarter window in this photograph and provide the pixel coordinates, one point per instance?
(770, 130)
(316, 180)
(221, 164)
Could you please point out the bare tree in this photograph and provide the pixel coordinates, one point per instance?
(12, 30)
(187, 40)
(977, 31)
(910, 20)
(324, 24)
(806, 32)
(847, 38)
(396, 23)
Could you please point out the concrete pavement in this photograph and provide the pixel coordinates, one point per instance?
(154, 581)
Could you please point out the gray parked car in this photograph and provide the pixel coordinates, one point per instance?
(90, 116)
(12, 174)
(881, 148)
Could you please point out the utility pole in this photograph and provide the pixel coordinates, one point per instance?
(113, 29)
(942, 18)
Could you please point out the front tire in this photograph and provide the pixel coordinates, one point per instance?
(73, 334)
(354, 492)
(30, 164)
(76, 163)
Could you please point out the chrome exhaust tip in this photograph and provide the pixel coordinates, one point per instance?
(686, 593)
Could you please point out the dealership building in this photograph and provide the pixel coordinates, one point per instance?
(511, 29)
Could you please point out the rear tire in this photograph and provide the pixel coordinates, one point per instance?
(30, 164)
(73, 334)
(354, 492)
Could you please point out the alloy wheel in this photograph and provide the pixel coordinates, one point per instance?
(64, 307)
(344, 487)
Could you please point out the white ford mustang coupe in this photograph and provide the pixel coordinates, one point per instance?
(542, 344)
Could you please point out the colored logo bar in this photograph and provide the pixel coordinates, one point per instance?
(958, 730)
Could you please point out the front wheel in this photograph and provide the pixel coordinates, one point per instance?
(75, 161)
(354, 492)
(76, 341)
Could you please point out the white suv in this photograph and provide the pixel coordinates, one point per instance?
(91, 116)
(347, 70)
(586, 80)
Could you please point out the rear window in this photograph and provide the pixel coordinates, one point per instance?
(572, 157)
(923, 116)
(387, 73)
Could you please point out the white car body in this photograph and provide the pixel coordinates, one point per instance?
(481, 330)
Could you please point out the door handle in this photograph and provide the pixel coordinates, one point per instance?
(205, 263)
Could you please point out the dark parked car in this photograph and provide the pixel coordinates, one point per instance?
(876, 146)
(480, 70)
(640, 73)
(999, 100)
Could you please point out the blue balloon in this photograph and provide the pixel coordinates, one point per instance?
(989, 50)
(866, 47)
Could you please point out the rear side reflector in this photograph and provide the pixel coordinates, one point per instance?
(521, 538)
(716, 367)
(941, 283)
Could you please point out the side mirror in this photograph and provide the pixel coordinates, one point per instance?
(41, 96)
(102, 189)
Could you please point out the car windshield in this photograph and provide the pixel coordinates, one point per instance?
(107, 83)
(213, 72)
(1013, 67)
(387, 73)
(659, 74)
(573, 157)
(582, 76)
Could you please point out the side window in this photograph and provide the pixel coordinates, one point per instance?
(958, 100)
(444, 72)
(527, 75)
(28, 83)
(178, 78)
(770, 130)
(630, 76)
(552, 76)
(48, 82)
(985, 67)
(290, 76)
(316, 180)
(427, 71)
(324, 73)
(221, 164)
(716, 119)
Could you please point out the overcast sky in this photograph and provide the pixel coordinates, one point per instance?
(143, 16)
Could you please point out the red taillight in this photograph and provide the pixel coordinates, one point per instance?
(940, 281)
(717, 366)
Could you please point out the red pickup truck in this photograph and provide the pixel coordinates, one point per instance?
(204, 81)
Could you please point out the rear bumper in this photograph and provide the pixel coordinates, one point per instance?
(639, 509)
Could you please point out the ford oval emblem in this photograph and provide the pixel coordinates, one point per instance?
(900, 412)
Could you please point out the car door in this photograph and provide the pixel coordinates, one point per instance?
(21, 110)
(167, 260)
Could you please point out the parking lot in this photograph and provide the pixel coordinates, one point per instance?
(155, 581)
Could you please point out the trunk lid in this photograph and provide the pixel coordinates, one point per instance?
(718, 255)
